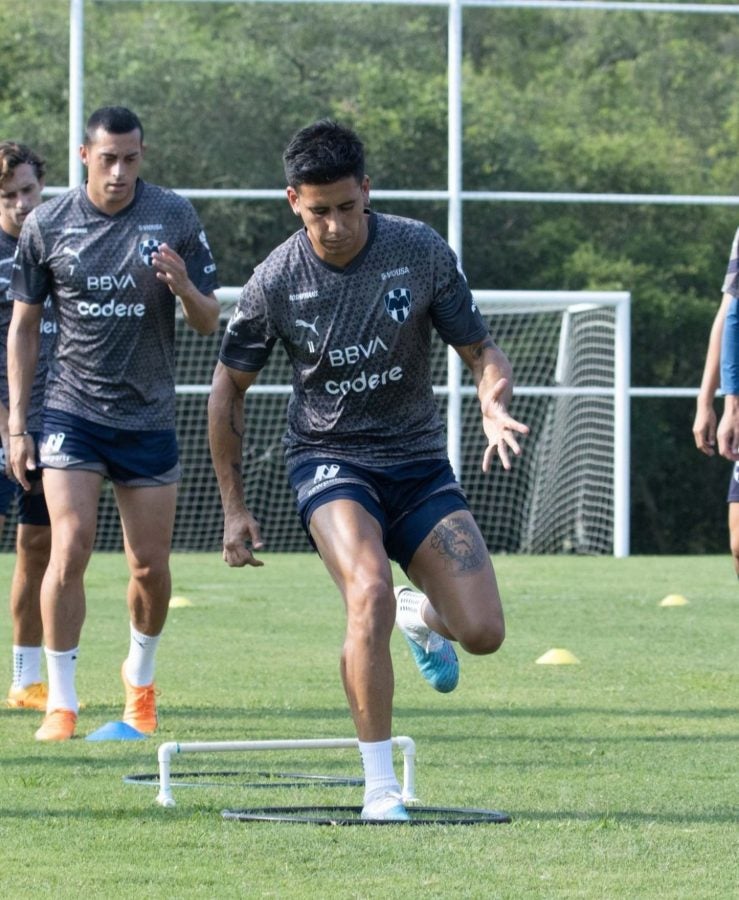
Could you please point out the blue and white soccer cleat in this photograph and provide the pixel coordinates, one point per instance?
(387, 807)
(434, 654)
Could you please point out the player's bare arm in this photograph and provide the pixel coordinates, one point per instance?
(23, 350)
(200, 310)
(493, 377)
(704, 424)
(241, 534)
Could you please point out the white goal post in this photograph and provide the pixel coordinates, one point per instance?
(567, 493)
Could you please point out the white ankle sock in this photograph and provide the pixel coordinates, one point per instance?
(141, 658)
(379, 775)
(62, 668)
(26, 666)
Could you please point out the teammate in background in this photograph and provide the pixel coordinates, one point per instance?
(21, 182)
(728, 429)
(704, 426)
(114, 253)
(354, 297)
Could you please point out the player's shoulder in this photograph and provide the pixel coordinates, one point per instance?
(163, 197)
(276, 267)
(56, 208)
(404, 227)
(7, 245)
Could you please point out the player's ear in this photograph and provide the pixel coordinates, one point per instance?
(293, 200)
(84, 156)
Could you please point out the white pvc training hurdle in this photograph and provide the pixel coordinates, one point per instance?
(171, 748)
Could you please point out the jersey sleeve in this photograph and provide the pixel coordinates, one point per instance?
(30, 280)
(730, 350)
(248, 340)
(196, 252)
(731, 280)
(453, 310)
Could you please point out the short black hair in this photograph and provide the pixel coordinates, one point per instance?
(13, 154)
(114, 120)
(322, 153)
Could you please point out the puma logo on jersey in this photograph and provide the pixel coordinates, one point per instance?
(74, 253)
(301, 323)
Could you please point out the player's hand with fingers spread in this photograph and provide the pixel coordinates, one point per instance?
(241, 537)
(171, 269)
(500, 428)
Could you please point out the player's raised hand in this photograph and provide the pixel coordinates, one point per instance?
(171, 269)
(500, 428)
(241, 537)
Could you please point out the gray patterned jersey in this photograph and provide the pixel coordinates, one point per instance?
(358, 339)
(48, 328)
(114, 359)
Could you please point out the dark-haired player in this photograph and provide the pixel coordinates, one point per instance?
(116, 254)
(354, 297)
(21, 183)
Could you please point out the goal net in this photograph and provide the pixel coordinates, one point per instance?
(561, 495)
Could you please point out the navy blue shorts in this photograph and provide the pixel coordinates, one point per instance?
(126, 457)
(31, 504)
(733, 496)
(407, 500)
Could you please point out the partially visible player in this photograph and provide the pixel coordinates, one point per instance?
(355, 297)
(21, 183)
(117, 255)
(705, 423)
(722, 361)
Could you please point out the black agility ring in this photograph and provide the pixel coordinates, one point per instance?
(351, 815)
(268, 779)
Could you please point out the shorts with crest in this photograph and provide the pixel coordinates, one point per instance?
(126, 457)
(407, 500)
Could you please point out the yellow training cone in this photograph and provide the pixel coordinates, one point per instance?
(179, 601)
(673, 600)
(558, 657)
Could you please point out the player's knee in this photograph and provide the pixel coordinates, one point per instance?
(484, 641)
(369, 612)
(33, 547)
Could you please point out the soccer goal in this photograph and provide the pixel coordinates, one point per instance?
(567, 493)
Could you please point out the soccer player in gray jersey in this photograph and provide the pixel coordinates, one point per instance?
(354, 297)
(21, 183)
(116, 254)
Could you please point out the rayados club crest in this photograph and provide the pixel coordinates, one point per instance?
(398, 304)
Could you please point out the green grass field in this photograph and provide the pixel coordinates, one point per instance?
(620, 773)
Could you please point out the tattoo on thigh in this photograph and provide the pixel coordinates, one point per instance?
(460, 545)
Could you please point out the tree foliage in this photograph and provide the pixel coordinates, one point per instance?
(585, 101)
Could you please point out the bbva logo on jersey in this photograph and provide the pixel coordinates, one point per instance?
(398, 304)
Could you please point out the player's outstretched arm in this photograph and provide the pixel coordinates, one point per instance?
(493, 376)
(241, 535)
(23, 350)
(200, 310)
